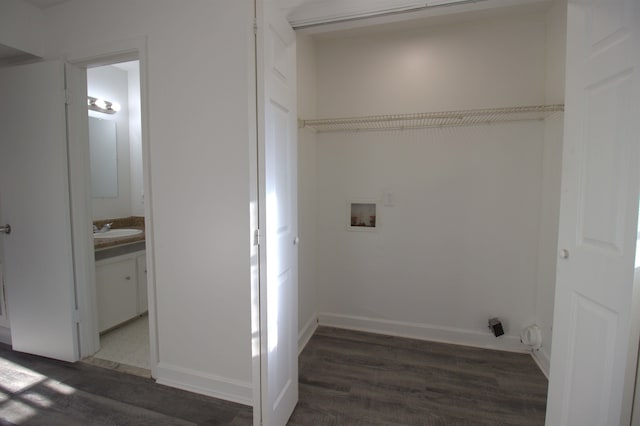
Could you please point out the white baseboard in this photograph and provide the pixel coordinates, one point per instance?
(306, 332)
(205, 384)
(5, 335)
(541, 357)
(423, 332)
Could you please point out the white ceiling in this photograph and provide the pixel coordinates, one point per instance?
(284, 4)
(303, 13)
(331, 17)
(43, 4)
(337, 18)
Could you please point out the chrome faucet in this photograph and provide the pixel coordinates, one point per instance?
(105, 228)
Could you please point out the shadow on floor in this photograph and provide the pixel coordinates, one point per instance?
(41, 391)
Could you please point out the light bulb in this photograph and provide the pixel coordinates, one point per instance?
(115, 106)
(100, 104)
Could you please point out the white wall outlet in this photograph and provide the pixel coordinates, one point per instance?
(387, 198)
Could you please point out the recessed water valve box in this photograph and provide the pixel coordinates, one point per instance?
(496, 326)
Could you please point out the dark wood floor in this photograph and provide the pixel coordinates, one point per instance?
(41, 391)
(346, 378)
(354, 378)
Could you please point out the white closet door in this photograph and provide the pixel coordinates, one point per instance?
(593, 343)
(277, 130)
(34, 201)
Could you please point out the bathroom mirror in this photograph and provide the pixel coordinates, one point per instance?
(104, 158)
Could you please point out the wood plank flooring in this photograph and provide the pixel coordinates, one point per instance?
(41, 391)
(346, 378)
(355, 378)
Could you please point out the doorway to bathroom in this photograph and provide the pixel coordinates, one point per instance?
(118, 216)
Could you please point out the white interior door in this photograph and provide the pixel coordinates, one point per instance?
(34, 201)
(593, 342)
(277, 130)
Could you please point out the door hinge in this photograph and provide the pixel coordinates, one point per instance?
(255, 27)
(76, 316)
(256, 237)
(67, 97)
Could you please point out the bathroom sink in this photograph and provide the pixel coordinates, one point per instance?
(117, 233)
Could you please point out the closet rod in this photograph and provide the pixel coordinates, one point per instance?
(433, 119)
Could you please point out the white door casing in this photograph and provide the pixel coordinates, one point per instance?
(80, 190)
(277, 163)
(4, 315)
(34, 188)
(593, 339)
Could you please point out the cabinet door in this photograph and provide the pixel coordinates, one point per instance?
(143, 303)
(117, 289)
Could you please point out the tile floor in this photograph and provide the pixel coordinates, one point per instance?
(126, 348)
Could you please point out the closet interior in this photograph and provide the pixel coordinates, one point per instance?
(452, 127)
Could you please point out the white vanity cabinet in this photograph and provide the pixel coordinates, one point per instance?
(143, 302)
(121, 289)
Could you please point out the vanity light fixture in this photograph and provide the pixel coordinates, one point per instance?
(101, 105)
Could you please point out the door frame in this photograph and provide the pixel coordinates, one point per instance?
(132, 49)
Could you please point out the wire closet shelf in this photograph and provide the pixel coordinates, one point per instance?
(432, 119)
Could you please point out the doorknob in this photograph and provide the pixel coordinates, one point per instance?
(564, 254)
(296, 240)
(6, 229)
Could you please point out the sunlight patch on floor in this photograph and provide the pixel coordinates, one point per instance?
(59, 387)
(37, 399)
(16, 412)
(21, 378)
(24, 392)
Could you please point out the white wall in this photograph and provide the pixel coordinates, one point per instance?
(460, 243)
(548, 235)
(475, 64)
(22, 27)
(458, 246)
(552, 167)
(556, 48)
(135, 141)
(112, 84)
(198, 96)
(307, 177)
